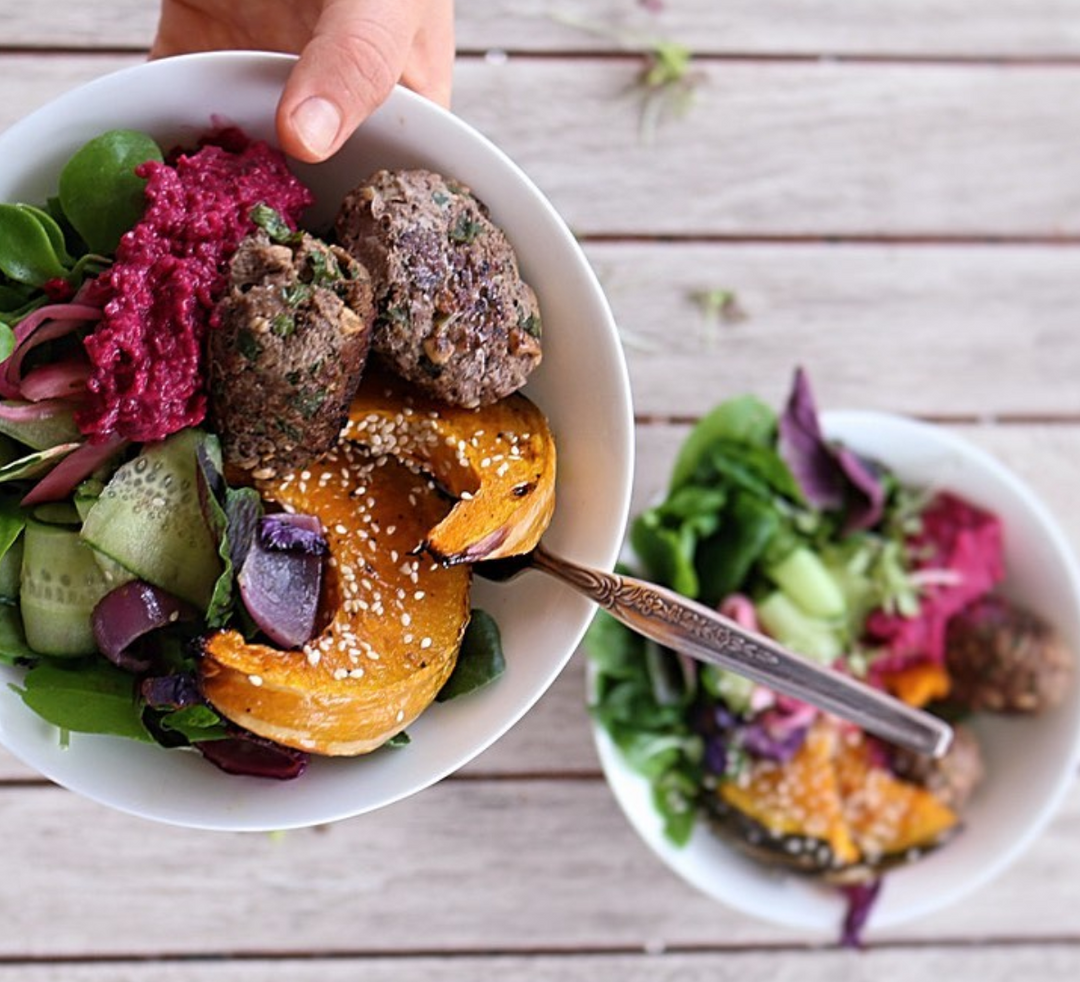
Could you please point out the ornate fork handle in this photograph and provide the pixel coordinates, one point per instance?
(701, 633)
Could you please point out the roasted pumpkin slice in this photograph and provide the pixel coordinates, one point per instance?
(890, 819)
(830, 810)
(393, 620)
(498, 461)
(793, 810)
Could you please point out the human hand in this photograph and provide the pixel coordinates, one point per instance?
(352, 52)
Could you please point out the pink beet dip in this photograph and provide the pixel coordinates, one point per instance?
(147, 352)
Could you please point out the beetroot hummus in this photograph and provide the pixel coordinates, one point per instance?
(147, 353)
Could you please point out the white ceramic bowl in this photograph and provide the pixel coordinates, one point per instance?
(582, 385)
(1038, 755)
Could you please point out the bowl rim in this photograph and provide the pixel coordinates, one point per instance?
(630, 790)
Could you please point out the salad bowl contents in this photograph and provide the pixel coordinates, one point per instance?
(893, 552)
(256, 444)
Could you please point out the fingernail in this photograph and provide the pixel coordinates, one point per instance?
(317, 121)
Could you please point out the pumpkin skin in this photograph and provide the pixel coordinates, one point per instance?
(393, 620)
(499, 462)
(831, 811)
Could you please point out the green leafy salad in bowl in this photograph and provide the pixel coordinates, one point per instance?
(199, 548)
(903, 583)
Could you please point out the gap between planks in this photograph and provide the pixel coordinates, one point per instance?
(630, 53)
(491, 955)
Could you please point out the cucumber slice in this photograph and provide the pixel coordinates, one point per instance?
(805, 579)
(61, 584)
(788, 622)
(148, 520)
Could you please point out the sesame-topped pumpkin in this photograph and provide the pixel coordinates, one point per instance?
(497, 460)
(390, 620)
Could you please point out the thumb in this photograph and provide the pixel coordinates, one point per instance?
(356, 55)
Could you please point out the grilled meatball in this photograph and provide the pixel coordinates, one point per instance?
(952, 778)
(286, 351)
(454, 317)
(1005, 659)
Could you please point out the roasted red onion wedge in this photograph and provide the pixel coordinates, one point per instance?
(129, 612)
(282, 576)
(253, 756)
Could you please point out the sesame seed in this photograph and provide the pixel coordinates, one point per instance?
(425, 642)
(255, 680)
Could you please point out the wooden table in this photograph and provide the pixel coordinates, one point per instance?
(891, 192)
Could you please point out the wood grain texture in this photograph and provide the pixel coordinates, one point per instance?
(781, 149)
(939, 331)
(889, 190)
(769, 149)
(920, 28)
(465, 867)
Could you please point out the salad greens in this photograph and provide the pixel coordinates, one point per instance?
(81, 521)
(737, 521)
(47, 253)
(796, 536)
(100, 192)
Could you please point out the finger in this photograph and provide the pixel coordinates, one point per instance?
(430, 68)
(357, 54)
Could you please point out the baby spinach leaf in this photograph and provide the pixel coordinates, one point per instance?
(12, 522)
(100, 192)
(27, 254)
(723, 561)
(232, 515)
(13, 646)
(654, 737)
(667, 553)
(52, 230)
(89, 697)
(7, 341)
(745, 419)
(195, 723)
(480, 660)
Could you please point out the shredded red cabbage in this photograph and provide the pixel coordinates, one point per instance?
(860, 899)
(832, 477)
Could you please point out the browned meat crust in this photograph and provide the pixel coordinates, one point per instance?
(286, 351)
(454, 317)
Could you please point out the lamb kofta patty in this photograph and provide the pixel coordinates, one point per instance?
(286, 350)
(454, 316)
(1003, 658)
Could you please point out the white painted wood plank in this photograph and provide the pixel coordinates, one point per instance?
(1018, 28)
(794, 149)
(954, 331)
(504, 866)
(769, 149)
(29, 81)
(990, 963)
